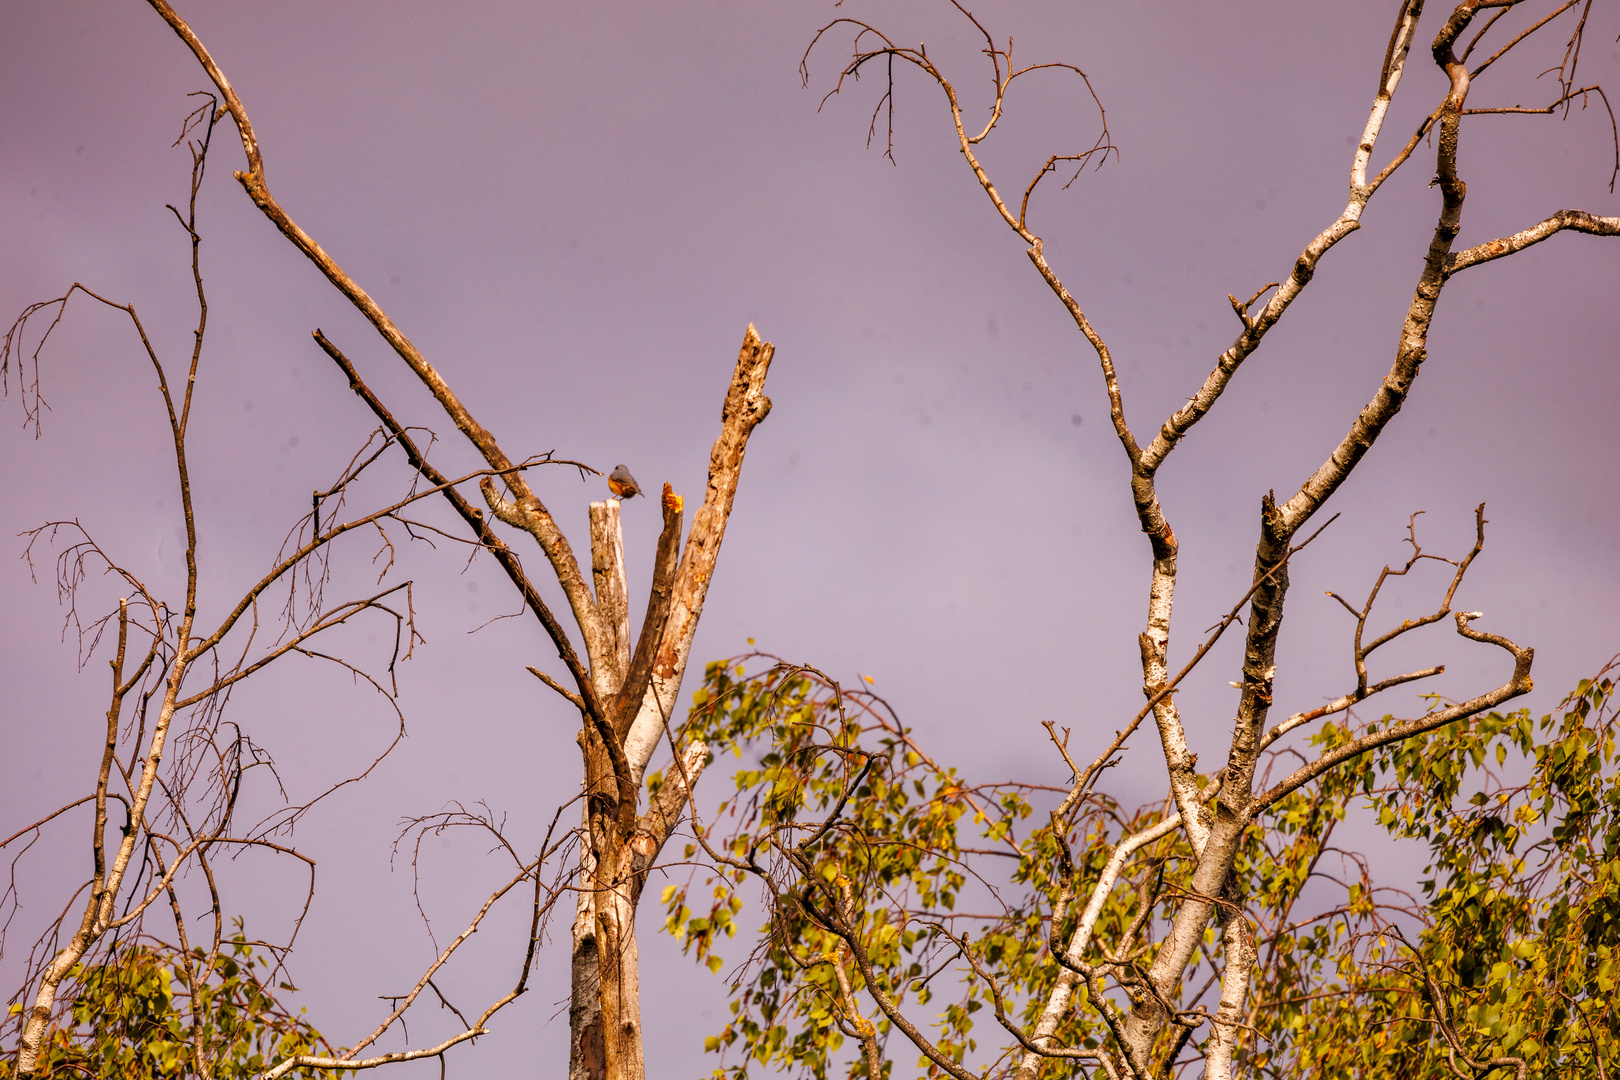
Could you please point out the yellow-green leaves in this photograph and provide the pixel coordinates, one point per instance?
(1513, 940)
(134, 1018)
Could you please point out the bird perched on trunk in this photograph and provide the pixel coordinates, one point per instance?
(622, 484)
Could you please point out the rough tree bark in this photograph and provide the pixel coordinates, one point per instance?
(604, 1013)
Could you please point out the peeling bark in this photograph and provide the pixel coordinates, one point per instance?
(620, 849)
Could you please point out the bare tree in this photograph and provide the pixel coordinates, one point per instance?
(172, 678)
(1137, 988)
(171, 759)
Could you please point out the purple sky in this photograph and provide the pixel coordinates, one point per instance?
(574, 210)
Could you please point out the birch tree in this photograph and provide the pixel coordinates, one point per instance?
(1129, 909)
(622, 685)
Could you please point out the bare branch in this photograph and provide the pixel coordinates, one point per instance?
(1571, 220)
(1517, 685)
(474, 518)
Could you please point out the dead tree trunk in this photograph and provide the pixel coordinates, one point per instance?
(624, 697)
(619, 848)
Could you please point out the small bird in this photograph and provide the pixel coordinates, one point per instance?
(622, 484)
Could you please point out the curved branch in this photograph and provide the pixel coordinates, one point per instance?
(537, 520)
(1570, 220)
(1518, 684)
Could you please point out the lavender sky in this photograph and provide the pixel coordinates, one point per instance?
(575, 209)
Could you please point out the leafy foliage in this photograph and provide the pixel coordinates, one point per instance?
(134, 1018)
(907, 849)
(1517, 954)
(1512, 952)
